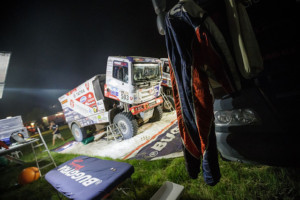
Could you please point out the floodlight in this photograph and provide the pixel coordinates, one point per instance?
(4, 61)
(1, 89)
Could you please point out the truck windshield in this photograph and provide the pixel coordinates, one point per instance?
(146, 72)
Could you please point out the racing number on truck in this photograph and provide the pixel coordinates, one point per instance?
(124, 96)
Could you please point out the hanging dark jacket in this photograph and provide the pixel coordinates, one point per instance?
(196, 48)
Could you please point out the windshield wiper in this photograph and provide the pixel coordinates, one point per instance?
(147, 79)
(141, 79)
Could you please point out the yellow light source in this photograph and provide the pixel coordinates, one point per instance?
(60, 113)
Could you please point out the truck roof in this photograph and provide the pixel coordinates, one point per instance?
(136, 58)
(164, 59)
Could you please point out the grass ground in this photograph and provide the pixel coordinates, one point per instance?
(239, 181)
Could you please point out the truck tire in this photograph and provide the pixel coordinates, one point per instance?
(127, 124)
(166, 108)
(157, 114)
(78, 133)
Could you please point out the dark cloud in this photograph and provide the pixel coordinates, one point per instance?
(56, 45)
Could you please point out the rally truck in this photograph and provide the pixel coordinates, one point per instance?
(166, 85)
(127, 95)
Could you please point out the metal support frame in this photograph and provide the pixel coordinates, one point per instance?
(113, 131)
(38, 145)
(167, 101)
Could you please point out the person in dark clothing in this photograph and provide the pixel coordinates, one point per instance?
(56, 133)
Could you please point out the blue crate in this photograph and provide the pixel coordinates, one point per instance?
(6, 141)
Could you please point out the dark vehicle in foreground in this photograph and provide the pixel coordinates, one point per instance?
(259, 123)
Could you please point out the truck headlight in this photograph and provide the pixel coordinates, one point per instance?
(235, 117)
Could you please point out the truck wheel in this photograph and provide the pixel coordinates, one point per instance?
(78, 133)
(157, 114)
(167, 108)
(127, 124)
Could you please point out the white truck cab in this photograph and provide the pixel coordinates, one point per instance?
(133, 80)
(128, 94)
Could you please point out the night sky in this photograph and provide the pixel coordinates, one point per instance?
(57, 45)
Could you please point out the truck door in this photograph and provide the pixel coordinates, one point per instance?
(119, 86)
(166, 81)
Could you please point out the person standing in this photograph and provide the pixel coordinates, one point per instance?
(56, 133)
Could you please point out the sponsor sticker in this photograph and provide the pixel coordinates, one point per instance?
(71, 92)
(87, 86)
(64, 101)
(72, 103)
(83, 99)
(78, 93)
(95, 109)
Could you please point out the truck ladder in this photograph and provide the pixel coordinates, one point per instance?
(113, 132)
(166, 100)
(48, 158)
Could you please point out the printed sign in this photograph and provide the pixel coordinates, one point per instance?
(82, 99)
(72, 103)
(64, 101)
(87, 86)
(89, 100)
(124, 96)
(78, 93)
(167, 143)
(71, 92)
(65, 146)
